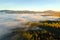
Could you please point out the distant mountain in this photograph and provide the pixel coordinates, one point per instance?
(12, 11)
(49, 11)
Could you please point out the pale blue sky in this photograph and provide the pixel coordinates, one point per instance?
(36, 5)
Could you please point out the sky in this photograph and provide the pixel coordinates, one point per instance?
(33, 5)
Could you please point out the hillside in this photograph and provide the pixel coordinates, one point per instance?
(36, 31)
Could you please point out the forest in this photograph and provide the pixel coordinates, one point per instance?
(43, 30)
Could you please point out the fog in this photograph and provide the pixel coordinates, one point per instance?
(11, 21)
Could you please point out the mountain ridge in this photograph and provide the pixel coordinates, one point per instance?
(27, 11)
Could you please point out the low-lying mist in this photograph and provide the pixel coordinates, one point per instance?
(11, 21)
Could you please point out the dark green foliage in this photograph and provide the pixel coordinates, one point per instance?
(44, 32)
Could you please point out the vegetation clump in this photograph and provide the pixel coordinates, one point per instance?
(47, 30)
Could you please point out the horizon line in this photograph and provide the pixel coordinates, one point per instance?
(30, 10)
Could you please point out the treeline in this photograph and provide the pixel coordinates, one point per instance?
(36, 35)
(46, 23)
(44, 30)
